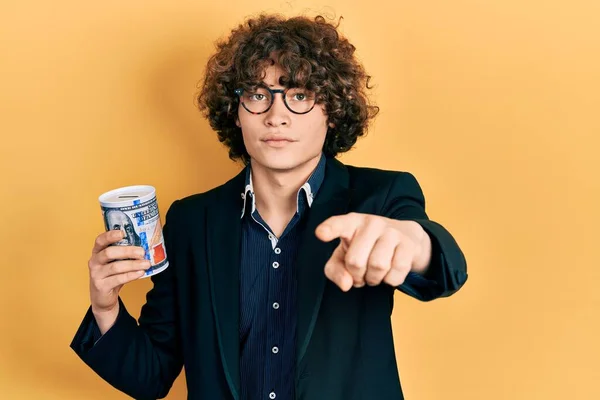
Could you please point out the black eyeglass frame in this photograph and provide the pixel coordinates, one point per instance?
(272, 92)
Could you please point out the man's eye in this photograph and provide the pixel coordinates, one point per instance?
(257, 97)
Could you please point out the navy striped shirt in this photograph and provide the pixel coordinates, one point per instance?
(268, 296)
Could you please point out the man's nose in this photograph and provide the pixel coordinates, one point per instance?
(278, 114)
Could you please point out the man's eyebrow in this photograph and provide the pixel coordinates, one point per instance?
(272, 86)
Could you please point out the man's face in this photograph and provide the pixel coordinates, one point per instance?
(279, 139)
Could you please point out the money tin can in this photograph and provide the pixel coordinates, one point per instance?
(134, 210)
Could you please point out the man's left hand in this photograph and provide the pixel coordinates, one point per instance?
(374, 249)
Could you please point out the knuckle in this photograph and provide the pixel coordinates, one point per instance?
(417, 249)
(393, 233)
(131, 252)
(97, 285)
(401, 268)
(134, 266)
(109, 252)
(138, 252)
(374, 276)
(352, 262)
(372, 281)
(93, 277)
(378, 265)
(118, 253)
(369, 219)
(116, 267)
(127, 251)
(409, 243)
(98, 242)
(378, 221)
(375, 220)
(139, 266)
(123, 278)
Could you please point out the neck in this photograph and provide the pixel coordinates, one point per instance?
(276, 191)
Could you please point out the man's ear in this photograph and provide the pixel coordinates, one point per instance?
(331, 125)
(237, 122)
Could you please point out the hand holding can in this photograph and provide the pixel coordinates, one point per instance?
(131, 248)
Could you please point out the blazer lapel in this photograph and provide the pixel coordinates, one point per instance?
(332, 199)
(224, 235)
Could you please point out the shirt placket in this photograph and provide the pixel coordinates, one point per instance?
(275, 320)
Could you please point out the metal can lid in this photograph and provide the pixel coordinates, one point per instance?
(127, 196)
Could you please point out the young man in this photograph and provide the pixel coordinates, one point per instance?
(281, 281)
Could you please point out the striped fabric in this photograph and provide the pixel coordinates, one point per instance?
(268, 296)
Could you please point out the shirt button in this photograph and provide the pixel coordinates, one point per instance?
(276, 305)
(277, 250)
(271, 237)
(272, 395)
(275, 350)
(275, 265)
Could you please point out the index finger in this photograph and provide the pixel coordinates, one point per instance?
(106, 239)
(339, 226)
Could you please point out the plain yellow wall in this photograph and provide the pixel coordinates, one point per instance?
(491, 104)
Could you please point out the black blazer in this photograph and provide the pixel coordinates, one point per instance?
(345, 348)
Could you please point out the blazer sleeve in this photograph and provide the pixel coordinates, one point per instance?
(447, 272)
(141, 360)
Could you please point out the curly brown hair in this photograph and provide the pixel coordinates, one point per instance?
(313, 55)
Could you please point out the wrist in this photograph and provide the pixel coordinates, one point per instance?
(423, 259)
(105, 318)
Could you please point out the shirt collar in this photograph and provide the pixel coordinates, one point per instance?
(310, 187)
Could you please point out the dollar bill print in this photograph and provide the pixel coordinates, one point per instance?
(141, 226)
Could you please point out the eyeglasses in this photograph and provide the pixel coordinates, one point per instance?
(260, 100)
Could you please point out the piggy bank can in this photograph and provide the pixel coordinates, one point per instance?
(134, 210)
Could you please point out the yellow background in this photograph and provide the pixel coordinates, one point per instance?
(491, 104)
